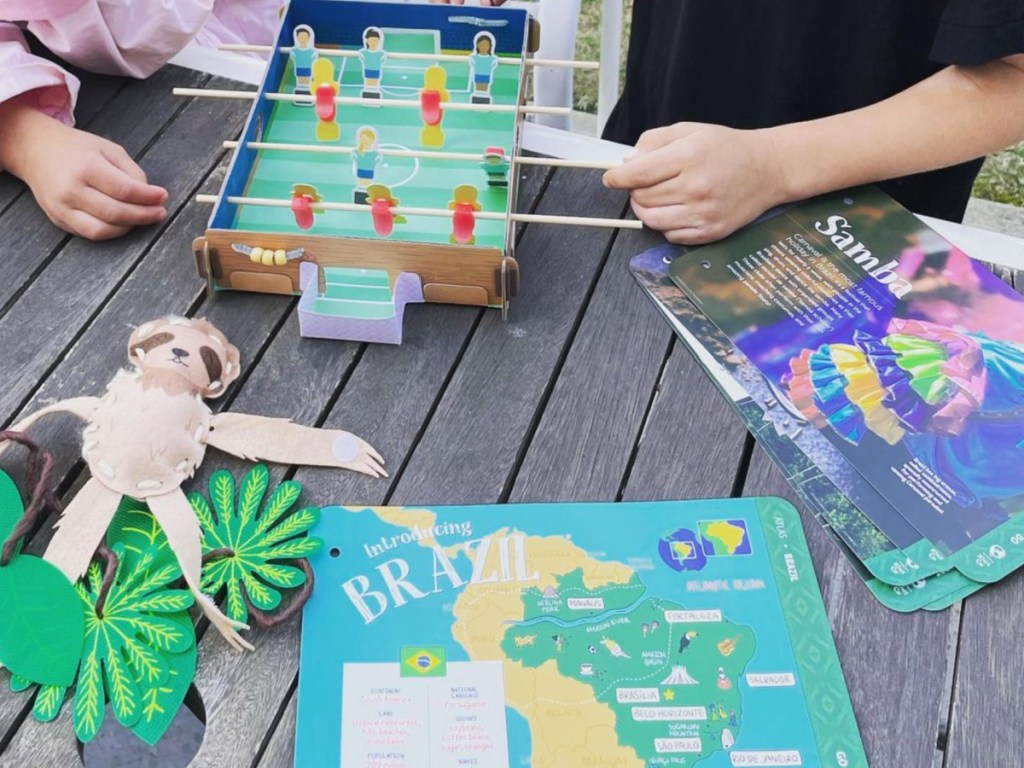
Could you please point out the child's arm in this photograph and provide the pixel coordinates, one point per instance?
(86, 185)
(698, 183)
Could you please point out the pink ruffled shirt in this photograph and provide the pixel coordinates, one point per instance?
(117, 37)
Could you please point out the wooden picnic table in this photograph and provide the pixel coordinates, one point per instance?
(584, 394)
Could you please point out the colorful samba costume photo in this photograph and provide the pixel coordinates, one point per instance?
(955, 399)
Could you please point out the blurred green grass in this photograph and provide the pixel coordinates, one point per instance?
(1001, 179)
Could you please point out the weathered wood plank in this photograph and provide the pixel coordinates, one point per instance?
(49, 744)
(692, 441)
(592, 420)
(898, 693)
(281, 749)
(986, 684)
(470, 448)
(132, 118)
(986, 693)
(73, 286)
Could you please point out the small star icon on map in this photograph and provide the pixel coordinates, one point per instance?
(669, 695)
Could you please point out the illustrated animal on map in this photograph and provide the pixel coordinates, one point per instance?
(614, 648)
(150, 432)
(686, 639)
(525, 640)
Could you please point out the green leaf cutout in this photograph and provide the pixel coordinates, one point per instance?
(19, 684)
(140, 652)
(40, 622)
(253, 542)
(48, 703)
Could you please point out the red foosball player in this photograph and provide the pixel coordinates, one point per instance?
(304, 199)
(465, 205)
(432, 98)
(325, 89)
(381, 204)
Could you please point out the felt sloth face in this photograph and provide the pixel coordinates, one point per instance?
(191, 351)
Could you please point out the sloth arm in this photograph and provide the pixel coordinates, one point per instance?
(284, 442)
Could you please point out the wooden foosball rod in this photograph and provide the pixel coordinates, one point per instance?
(213, 93)
(547, 162)
(349, 54)
(400, 210)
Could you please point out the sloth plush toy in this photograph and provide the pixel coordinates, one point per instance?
(150, 432)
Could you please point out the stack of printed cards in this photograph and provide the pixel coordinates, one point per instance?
(882, 370)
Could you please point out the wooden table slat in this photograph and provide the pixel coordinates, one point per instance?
(585, 439)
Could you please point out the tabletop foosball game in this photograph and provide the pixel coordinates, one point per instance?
(377, 165)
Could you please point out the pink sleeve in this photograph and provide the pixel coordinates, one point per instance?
(122, 37)
(51, 89)
(241, 21)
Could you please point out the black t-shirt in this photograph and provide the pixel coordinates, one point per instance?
(756, 64)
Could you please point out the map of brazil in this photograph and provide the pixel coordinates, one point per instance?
(464, 638)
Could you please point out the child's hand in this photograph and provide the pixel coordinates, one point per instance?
(698, 183)
(87, 185)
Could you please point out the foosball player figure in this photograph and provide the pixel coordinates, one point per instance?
(304, 200)
(303, 54)
(496, 166)
(365, 159)
(381, 204)
(465, 204)
(372, 57)
(482, 62)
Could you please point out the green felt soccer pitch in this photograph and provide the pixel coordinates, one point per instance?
(421, 182)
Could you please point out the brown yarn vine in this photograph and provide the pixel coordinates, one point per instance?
(39, 479)
(110, 564)
(299, 598)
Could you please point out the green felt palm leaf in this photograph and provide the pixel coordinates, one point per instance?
(19, 684)
(292, 550)
(243, 546)
(89, 698)
(48, 703)
(139, 650)
(282, 500)
(132, 644)
(254, 485)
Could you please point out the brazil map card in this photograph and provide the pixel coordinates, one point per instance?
(570, 635)
(904, 353)
(817, 471)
